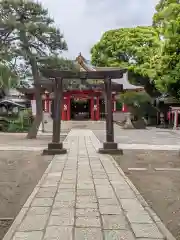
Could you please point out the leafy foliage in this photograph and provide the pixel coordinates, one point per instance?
(28, 34)
(22, 123)
(134, 98)
(133, 48)
(27, 29)
(4, 124)
(127, 47)
(167, 18)
(165, 10)
(138, 103)
(56, 62)
(16, 123)
(8, 77)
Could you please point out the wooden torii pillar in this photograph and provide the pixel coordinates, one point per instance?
(56, 147)
(109, 147)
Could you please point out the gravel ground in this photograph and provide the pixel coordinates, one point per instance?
(21, 140)
(161, 189)
(19, 174)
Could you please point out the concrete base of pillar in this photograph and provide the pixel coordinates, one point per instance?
(54, 149)
(110, 148)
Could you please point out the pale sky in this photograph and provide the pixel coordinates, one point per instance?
(84, 21)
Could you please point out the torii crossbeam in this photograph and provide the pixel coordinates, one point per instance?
(56, 78)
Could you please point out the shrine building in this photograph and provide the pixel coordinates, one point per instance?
(84, 100)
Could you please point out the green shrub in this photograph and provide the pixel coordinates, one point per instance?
(4, 123)
(16, 127)
(23, 123)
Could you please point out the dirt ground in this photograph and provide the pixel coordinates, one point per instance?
(19, 173)
(21, 140)
(161, 189)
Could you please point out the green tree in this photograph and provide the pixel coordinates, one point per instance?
(27, 33)
(167, 22)
(165, 10)
(8, 68)
(56, 62)
(133, 48)
(137, 102)
(134, 98)
(8, 77)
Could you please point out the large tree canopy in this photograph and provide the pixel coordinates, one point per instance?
(133, 48)
(165, 10)
(167, 19)
(27, 33)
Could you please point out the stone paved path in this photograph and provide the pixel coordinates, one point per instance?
(84, 195)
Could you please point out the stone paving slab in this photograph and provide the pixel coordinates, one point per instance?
(85, 195)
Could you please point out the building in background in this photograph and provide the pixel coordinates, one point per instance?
(83, 99)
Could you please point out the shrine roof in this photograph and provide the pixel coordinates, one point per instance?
(167, 99)
(86, 66)
(126, 84)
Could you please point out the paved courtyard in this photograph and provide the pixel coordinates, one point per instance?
(85, 195)
(150, 138)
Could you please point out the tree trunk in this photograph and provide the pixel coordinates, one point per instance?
(35, 72)
(39, 108)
